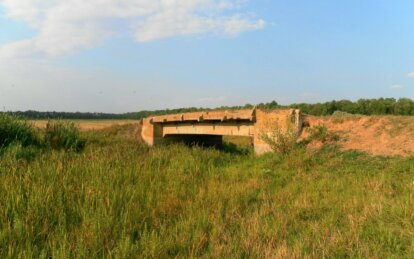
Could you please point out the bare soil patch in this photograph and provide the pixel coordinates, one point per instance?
(376, 135)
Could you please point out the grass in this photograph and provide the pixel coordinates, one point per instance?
(322, 134)
(63, 135)
(401, 125)
(13, 130)
(119, 198)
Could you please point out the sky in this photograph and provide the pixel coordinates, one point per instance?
(129, 55)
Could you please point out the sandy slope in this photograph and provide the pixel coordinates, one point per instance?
(377, 135)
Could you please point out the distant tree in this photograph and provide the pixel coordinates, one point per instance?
(404, 106)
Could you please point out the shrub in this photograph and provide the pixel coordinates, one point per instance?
(16, 130)
(63, 135)
(281, 140)
(340, 116)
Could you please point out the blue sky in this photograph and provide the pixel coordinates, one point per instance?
(202, 53)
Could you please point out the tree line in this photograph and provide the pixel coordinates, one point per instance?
(381, 106)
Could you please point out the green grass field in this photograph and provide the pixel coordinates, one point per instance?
(119, 198)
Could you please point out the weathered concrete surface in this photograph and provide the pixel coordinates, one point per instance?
(209, 127)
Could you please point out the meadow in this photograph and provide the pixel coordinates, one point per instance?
(118, 198)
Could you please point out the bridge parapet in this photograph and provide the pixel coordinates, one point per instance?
(214, 124)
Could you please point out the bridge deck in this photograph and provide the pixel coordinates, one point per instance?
(245, 115)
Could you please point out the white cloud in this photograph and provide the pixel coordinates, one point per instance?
(19, 48)
(411, 74)
(397, 86)
(66, 26)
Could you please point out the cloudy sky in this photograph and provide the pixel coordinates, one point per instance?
(129, 55)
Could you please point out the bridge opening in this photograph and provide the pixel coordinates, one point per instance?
(215, 141)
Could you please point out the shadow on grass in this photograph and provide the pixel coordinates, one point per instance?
(232, 148)
(225, 147)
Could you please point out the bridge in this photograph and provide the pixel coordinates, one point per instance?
(208, 128)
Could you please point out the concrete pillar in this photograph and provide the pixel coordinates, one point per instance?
(151, 132)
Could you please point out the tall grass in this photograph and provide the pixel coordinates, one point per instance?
(16, 130)
(57, 135)
(63, 135)
(121, 199)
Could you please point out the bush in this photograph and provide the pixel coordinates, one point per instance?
(280, 140)
(64, 135)
(340, 116)
(16, 130)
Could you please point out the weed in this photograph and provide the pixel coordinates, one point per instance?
(281, 140)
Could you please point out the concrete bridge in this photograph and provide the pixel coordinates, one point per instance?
(208, 128)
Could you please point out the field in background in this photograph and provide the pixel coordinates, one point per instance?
(89, 124)
(119, 198)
